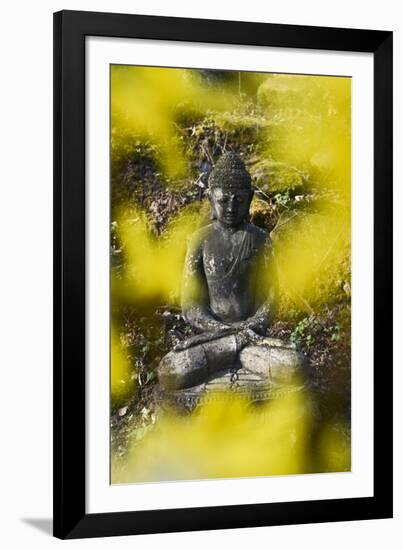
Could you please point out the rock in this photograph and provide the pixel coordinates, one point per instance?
(276, 177)
(262, 214)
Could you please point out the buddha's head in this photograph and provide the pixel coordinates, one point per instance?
(230, 191)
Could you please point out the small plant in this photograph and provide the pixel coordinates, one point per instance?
(302, 334)
(282, 199)
(334, 332)
(298, 334)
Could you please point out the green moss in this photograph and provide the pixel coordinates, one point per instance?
(276, 177)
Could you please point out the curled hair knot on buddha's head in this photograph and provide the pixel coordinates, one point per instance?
(230, 172)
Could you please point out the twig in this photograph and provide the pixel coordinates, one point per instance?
(308, 307)
(224, 147)
(262, 192)
(329, 250)
(207, 153)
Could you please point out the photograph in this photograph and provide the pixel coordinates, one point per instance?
(230, 274)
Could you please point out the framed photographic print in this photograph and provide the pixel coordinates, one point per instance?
(223, 274)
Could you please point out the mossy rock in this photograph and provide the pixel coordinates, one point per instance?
(275, 177)
(263, 215)
(230, 121)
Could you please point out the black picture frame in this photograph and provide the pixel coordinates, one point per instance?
(70, 517)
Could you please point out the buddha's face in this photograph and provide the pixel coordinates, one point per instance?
(230, 206)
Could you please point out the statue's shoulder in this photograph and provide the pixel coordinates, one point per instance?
(258, 234)
(198, 237)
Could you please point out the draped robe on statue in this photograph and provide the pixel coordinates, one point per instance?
(230, 285)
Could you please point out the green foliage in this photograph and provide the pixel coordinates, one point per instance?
(282, 199)
(302, 334)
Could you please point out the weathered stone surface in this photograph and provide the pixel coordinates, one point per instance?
(229, 297)
(276, 177)
(266, 371)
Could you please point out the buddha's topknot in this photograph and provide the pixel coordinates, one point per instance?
(230, 172)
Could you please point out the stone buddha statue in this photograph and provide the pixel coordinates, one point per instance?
(229, 298)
